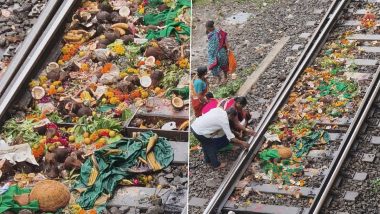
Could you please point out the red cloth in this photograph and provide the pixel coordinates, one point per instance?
(213, 103)
(225, 104)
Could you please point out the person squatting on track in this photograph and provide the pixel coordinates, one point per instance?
(213, 131)
(239, 125)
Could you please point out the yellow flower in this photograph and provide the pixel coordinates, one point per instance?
(114, 100)
(132, 70)
(154, 44)
(57, 83)
(109, 94)
(123, 74)
(82, 53)
(43, 79)
(34, 83)
(141, 9)
(118, 49)
(85, 95)
(183, 63)
(61, 62)
(144, 94)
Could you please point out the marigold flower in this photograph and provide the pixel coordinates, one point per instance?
(118, 49)
(106, 68)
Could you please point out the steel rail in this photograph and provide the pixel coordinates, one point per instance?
(27, 45)
(226, 188)
(345, 146)
(35, 55)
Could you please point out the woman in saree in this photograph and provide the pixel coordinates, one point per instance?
(217, 52)
(198, 89)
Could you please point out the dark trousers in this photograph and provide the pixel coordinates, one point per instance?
(210, 147)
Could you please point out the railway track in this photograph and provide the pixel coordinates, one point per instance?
(25, 46)
(311, 120)
(46, 46)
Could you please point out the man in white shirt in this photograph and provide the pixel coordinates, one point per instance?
(213, 132)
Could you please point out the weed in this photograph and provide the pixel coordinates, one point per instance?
(376, 185)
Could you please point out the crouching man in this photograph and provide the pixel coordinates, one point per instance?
(213, 132)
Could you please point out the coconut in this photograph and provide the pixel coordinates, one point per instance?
(124, 11)
(284, 152)
(127, 39)
(125, 86)
(103, 16)
(105, 6)
(156, 77)
(84, 111)
(38, 92)
(177, 103)
(101, 46)
(72, 162)
(52, 170)
(156, 52)
(150, 61)
(111, 35)
(145, 81)
(118, 19)
(100, 29)
(134, 79)
(51, 195)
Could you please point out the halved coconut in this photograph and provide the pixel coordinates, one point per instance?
(150, 61)
(124, 11)
(177, 103)
(169, 126)
(38, 92)
(145, 81)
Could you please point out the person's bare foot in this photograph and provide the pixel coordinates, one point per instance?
(221, 166)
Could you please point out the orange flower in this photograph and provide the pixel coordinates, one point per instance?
(99, 144)
(94, 136)
(82, 211)
(135, 94)
(52, 91)
(140, 63)
(66, 57)
(344, 41)
(110, 94)
(38, 151)
(106, 68)
(93, 211)
(158, 62)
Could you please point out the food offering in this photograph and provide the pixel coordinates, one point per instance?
(114, 57)
(324, 100)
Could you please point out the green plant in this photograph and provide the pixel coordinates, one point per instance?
(375, 183)
(172, 77)
(229, 89)
(55, 118)
(193, 141)
(96, 123)
(13, 130)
